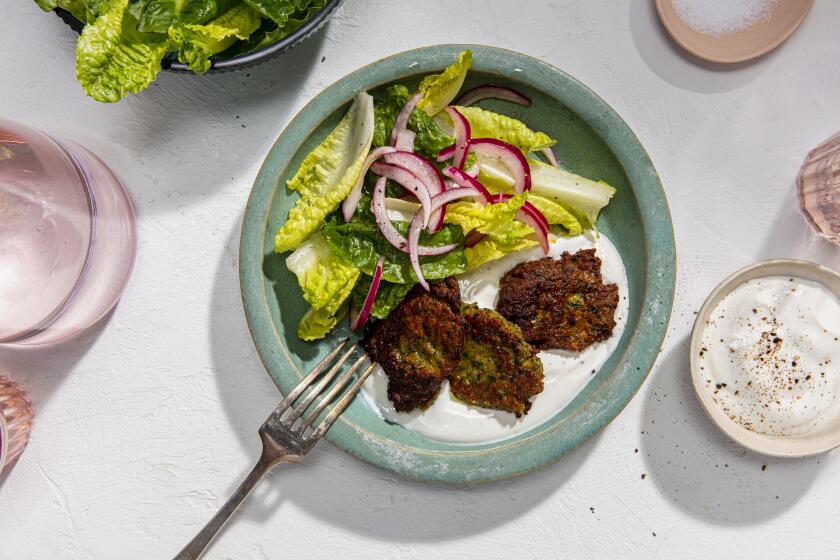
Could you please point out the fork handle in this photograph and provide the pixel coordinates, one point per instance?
(199, 543)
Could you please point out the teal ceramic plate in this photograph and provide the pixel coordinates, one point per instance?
(592, 141)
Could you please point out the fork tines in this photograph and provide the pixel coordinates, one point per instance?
(289, 414)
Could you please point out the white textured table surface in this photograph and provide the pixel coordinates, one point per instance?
(145, 425)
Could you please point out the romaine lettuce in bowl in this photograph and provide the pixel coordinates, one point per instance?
(123, 44)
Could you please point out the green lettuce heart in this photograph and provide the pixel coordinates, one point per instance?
(440, 89)
(487, 124)
(114, 58)
(327, 174)
(195, 44)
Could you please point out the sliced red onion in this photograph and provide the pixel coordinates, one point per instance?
(390, 233)
(364, 313)
(533, 218)
(462, 136)
(427, 173)
(476, 94)
(549, 155)
(463, 180)
(405, 141)
(474, 170)
(531, 209)
(408, 181)
(509, 155)
(413, 244)
(348, 207)
(401, 122)
(527, 217)
(474, 237)
(446, 153)
(450, 195)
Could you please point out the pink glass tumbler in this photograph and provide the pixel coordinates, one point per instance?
(67, 237)
(15, 421)
(819, 188)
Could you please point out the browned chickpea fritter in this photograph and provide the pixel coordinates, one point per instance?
(560, 303)
(419, 344)
(498, 369)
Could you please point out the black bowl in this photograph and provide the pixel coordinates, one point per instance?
(243, 60)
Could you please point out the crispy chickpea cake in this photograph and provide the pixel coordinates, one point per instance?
(560, 303)
(498, 369)
(419, 344)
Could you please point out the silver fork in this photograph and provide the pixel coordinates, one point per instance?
(285, 437)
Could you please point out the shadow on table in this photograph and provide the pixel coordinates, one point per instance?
(676, 66)
(333, 486)
(227, 121)
(792, 237)
(40, 370)
(699, 468)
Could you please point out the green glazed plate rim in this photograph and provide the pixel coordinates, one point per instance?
(548, 442)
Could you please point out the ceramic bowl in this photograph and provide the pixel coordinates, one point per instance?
(757, 39)
(246, 60)
(592, 141)
(811, 443)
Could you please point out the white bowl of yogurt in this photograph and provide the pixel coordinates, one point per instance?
(765, 358)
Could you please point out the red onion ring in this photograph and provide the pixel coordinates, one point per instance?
(413, 244)
(446, 153)
(533, 218)
(462, 136)
(491, 91)
(448, 196)
(390, 233)
(362, 317)
(427, 173)
(549, 155)
(461, 179)
(405, 141)
(410, 182)
(473, 238)
(401, 122)
(509, 155)
(348, 207)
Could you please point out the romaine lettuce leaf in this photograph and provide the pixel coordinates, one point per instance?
(495, 220)
(327, 174)
(440, 89)
(581, 197)
(360, 244)
(113, 58)
(498, 221)
(279, 11)
(487, 124)
(317, 323)
(78, 8)
(556, 214)
(326, 282)
(489, 249)
(325, 279)
(157, 16)
(86, 11)
(430, 137)
(269, 33)
(388, 296)
(195, 44)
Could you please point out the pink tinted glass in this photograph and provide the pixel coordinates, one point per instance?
(67, 237)
(819, 188)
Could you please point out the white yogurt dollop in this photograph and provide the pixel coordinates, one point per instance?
(769, 355)
(566, 373)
